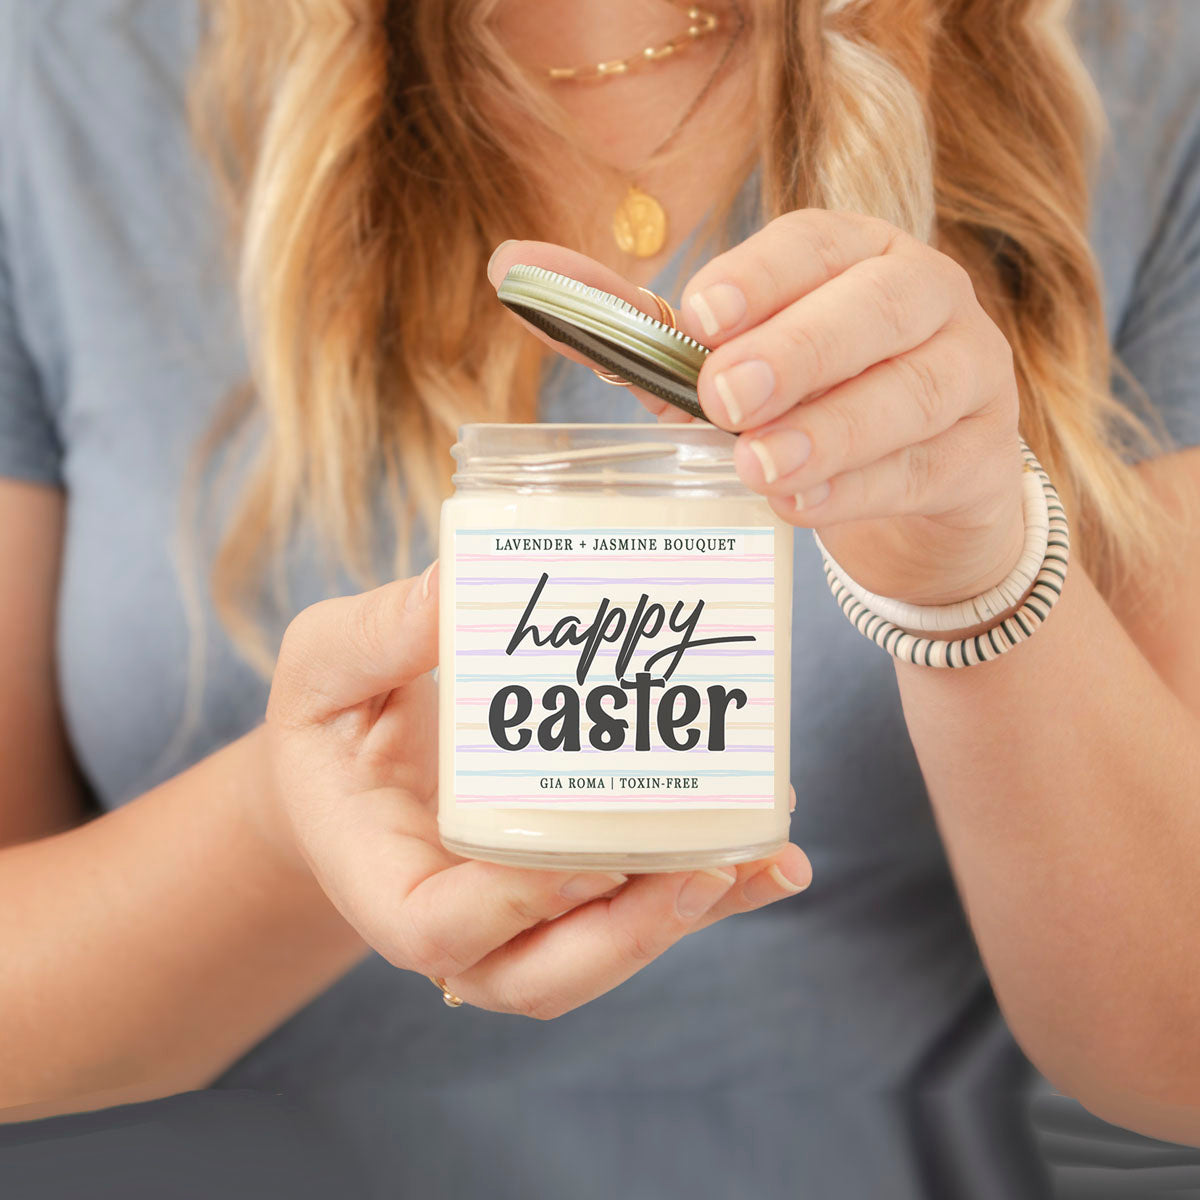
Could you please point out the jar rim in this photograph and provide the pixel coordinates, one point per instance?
(697, 428)
(610, 455)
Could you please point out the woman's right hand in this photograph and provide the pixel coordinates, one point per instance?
(351, 740)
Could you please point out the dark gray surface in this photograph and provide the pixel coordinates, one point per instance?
(841, 1044)
(235, 1145)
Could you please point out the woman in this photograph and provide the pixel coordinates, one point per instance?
(204, 927)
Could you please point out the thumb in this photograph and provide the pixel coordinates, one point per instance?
(341, 652)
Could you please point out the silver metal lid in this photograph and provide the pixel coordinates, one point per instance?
(609, 332)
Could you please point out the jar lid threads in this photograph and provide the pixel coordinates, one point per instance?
(608, 331)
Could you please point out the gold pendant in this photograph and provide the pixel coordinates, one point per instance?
(639, 224)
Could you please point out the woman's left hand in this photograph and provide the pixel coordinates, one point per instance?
(874, 398)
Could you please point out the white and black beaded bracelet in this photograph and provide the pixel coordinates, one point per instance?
(1043, 562)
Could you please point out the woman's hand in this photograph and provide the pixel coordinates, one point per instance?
(352, 735)
(874, 398)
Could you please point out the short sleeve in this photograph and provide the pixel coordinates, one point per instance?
(1158, 337)
(29, 446)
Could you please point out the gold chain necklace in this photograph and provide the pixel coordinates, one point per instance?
(703, 23)
(639, 223)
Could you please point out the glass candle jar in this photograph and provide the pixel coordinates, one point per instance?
(615, 646)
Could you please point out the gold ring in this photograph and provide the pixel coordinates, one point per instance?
(609, 378)
(448, 997)
(666, 314)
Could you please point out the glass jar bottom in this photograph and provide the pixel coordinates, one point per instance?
(627, 862)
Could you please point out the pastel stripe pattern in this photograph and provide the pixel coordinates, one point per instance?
(496, 572)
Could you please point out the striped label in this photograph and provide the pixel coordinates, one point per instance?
(615, 668)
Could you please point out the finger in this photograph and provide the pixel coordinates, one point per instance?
(408, 719)
(566, 262)
(588, 271)
(557, 966)
(452, 918)
(924, 478)
(668, 414)
(367, 848)
(341, 652)
(874, 310)
(764, 881)
(910, 398)
(786, 259)
(377, 857)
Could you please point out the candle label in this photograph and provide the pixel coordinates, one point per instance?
(615, 668)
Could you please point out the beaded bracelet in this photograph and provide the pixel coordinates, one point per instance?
(1043, 564)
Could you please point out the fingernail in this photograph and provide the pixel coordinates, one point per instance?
(492, 261)
(769, 469)
(813, 496)
(418, 594)
(781, 453)
(579, 888)
(786, 882)
(428, 578)
(702, 891)
(767, 885)
(718, 307)
(745, 388)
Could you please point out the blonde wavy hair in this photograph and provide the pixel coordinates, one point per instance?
(373, 152)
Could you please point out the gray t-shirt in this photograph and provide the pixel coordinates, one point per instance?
(778, 1053)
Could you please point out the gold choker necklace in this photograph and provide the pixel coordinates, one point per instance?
(703, 23)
